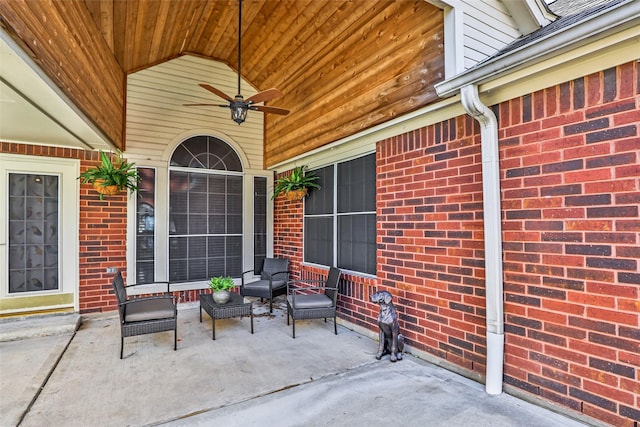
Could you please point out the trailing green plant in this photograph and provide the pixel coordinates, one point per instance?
(118, 172)
(220, 283)
(298, 179)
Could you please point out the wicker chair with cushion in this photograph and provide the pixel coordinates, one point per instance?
(144, 315)
(273, 281)
(313, 302)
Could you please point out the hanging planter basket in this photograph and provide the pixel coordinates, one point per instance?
(112, 170)
(108, 190)
(295, 184)
(296, 195)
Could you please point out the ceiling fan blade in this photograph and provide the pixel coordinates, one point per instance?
(265, 95)
(268, 109)
(218, 92)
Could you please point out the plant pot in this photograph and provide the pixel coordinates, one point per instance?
(105, 189)
(295, 195)
(221, 297)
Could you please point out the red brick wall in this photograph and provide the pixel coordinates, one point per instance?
(570, 168)
(287, 233)
(570, 178)
(430, 238)
(103, 240)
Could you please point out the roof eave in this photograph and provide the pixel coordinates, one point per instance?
(530, 15)
(619, 17)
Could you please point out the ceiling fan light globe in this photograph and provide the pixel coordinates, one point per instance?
(239, 114)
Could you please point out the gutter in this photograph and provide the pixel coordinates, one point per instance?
(492, 235)
(622, 16)
(615, 18)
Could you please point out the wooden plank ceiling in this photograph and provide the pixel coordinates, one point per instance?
(343, 66)
(61, 37)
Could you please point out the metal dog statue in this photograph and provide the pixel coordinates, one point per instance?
(391, 340)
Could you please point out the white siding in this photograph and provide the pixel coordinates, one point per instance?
(474, 30)
(157, 122)
(488, 27)
(157, 119)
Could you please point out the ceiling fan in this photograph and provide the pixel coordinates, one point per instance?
(238, 105)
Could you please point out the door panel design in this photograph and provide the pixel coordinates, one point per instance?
(33, 233)
(39, 244)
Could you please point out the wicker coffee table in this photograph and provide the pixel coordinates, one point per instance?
(234, 308)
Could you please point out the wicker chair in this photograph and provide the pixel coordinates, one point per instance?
(306, 302)
(273, 281)
(144, 315)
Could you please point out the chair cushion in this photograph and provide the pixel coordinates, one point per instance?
(264, 284)
(310, 301)
(151, 309)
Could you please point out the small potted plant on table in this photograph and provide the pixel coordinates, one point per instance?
(296, 184)
(220, 286)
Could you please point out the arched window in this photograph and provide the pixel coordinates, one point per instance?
(206, 152)
(205, 210)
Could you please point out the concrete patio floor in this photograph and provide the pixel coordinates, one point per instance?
(240, 379)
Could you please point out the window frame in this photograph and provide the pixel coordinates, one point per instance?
(161, 252)
(335, 215)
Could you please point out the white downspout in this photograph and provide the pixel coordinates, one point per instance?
(492, 235)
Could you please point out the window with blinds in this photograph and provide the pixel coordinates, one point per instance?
(259, 220)
(340, 218)
(145, 226)
(205, 210)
